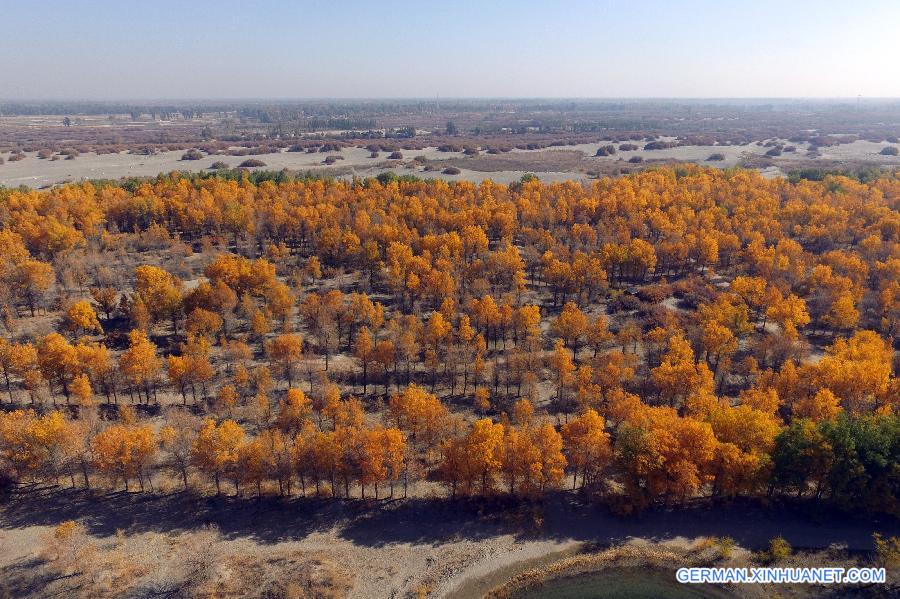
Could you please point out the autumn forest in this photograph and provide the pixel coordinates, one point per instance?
(674, 334)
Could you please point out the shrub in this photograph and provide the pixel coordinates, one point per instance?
(716, 157)
(251, 163)
(889, 151)
(824, 141)
(627, 147)
(726, 547)
(654, 294)
(887, 550)
(635, 159)
(607, 150)
(451, 170)
(386, 178)
(779, 549)
(623, 303)
(332, 159)
(66, 547)
(776, 151)
(192, 154)
(395, 156)
(373, 154)
(219, 165)
(471, 152)
(660, 145)
(44, 154)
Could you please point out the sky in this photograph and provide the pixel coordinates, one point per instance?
(237, 49)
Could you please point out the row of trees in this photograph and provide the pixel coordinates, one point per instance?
(656, 454)
(453, 351)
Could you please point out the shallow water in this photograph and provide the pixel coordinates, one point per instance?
(622, 583)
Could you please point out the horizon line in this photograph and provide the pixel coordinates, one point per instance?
(449, 98)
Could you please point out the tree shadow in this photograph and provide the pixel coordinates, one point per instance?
(563, 517)
(266, 520)
(433, 521)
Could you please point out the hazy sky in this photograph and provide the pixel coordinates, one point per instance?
(125, 49)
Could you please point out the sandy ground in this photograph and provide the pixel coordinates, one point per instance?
(733, 154)
(35, 172)
(499, 565)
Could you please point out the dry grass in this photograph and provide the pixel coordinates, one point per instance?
(275, 576)
(200, 564)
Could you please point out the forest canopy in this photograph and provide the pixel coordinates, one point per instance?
(674, 333)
